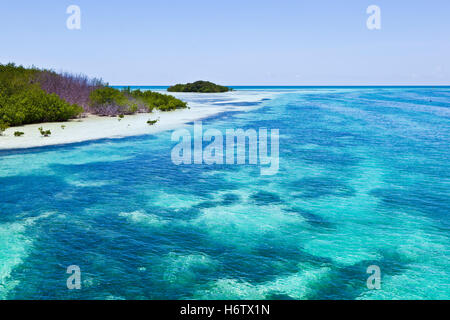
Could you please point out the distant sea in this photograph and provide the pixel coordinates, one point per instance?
(364, 180)
(293, 87)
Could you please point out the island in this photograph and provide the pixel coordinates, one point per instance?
(200, 87)
(40, 107)
(32, 95)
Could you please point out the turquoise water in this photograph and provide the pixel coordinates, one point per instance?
(364, 180)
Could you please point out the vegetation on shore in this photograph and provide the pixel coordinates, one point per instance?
(44, 133)
(32, 95)
(3, 127)
(155, 100)
(199, 86)
(23, 99)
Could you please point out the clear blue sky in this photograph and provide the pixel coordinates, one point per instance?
(315, 42)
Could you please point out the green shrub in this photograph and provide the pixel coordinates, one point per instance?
(151, 122)
(45, 133)
(156, 100)
(108, 95)
(3, 127)
(22, 101)
(110, 101)
(31, 95)
(18, 134)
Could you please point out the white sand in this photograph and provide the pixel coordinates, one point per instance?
(95, 127)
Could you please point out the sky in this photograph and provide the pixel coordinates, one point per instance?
(246, 42)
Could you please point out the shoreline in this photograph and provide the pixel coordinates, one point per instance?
(95, 127)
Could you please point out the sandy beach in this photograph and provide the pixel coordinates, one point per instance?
(95, 127)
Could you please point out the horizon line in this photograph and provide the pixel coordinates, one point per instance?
(296, 86)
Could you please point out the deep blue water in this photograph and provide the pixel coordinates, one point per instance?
(364, 180)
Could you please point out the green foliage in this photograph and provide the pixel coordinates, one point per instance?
(45, 133)
(3, 127)
(199, 86)
(152, 122)
(22, 101)
(105, 97)
(113, 101)
(108, 95)
(127, 90)
(31, 95)
(18, 134)
(154, 100)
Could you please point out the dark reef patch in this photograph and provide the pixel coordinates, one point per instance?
(315, 187)
(312, 218)
(328, 157)
(349, 282)
(206, 204)
(278, 296)
(230, 198)
(415, 198)
(263, 198)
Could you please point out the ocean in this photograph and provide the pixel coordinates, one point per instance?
(363, 181)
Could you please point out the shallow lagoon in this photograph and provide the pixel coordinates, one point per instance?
(364, 180)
